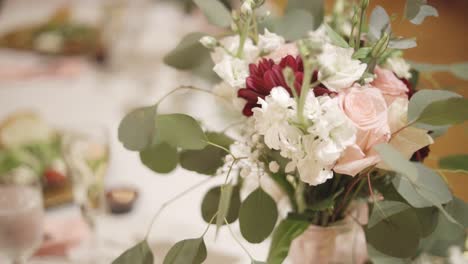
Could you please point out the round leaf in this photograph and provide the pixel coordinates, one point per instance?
(208, 160)
(445, 112)
(187, 251)
(161, 158)
(189, 53)
(420, 100)
(140, 253)
(257, 216)
(136, 130)
(210, 204)
(180, 131)
(283, 236)
(216, 13)
(397, 236)
(455, 162)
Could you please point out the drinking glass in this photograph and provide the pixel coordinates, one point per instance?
(21, 219)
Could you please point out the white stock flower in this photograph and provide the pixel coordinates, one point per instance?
(269, 42)
(231, 45)
(329, 135)
(272, 120)
(399, 66)
(232, 70)
(338, 68)
(229, 93)
(319, 35)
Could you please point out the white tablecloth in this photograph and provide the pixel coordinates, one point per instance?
(97, 97)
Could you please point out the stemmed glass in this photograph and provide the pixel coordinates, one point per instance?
(21, 219)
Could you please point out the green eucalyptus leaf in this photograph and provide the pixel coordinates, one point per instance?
(181, 131)
(362, 53)
(293, 25)
(417, 10)
(379, 22)
(258, 262)
(335, 37)
(316, 8)
(427, 189)
(398, 236)
(187, 251)
(394, 159)
(420, 100)
(161, 158)
(257, 216)
(283, 236)
(189, 53)
(445, 112)
(137, 128)
(211, 204)
(455, 162)
(445, 235)
(402, 43)
(224, 204)
(384, 209)
(380, 258)
(458, 209)
(215, 11)
(460, 70)
(139, 254)
(208, 160)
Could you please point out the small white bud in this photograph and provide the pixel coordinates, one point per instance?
(209, 42)
(245, 172)
(274, 166)
(246, 8)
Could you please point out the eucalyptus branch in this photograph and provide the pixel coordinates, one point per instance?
(220, 147)
(209, 224)
(404, 127)
(237, 240)
(243, 37)
(187, 87)
(232, 125)
(173, 199)
(363, 8)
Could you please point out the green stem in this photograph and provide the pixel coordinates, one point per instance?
(173, 199)
(221, 147)
(187, 87)
(237, 240)
(358, 37)
(243, 38)
(301, 204)
(255, 28)
(209, 224)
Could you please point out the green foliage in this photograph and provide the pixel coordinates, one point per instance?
(385, 209)
(380, 258)
(257, 216)
(427, 189)
(379, 22)
(459, 70)
(455, 162)
(137, 128)
(459, 210)
(362, 53)
(283, 236)
(315, 8)
(292, 26)
(139, 254)
(225, 204)
(402, 43)
(392, 158)
(208, 160)
(161, 158)
(445, 112)
(335, 37)
(190, 55)
(181, 131)
(215, 11)
(417, 10)
(397, 236)
(211, 204)
(187, 251)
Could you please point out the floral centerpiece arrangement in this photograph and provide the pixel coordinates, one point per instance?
(327, 159)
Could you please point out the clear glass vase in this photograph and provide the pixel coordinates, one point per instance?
(342, 242)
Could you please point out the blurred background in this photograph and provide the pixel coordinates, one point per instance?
(70, 70)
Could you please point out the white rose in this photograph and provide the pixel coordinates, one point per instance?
(399, 66)
(231, 44)
(232, 70)
(338, 68)
(269, 42)
(229, 93)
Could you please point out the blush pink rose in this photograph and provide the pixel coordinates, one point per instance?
(366, 108)
(283, 51)
(390, 85)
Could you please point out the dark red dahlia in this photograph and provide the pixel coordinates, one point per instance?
(267, 75)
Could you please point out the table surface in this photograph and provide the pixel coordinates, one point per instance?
(100, 98)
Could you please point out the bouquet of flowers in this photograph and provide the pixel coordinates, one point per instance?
(328, 157)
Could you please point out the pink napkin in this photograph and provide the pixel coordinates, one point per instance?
(60, 235)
